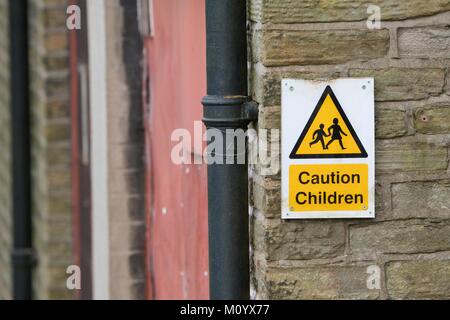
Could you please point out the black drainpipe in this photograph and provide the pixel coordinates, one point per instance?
(20, 139)
(227, 106)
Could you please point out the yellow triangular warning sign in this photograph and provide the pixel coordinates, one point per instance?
(328, 133)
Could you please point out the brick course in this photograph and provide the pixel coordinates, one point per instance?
(51, 158)
(126, 152)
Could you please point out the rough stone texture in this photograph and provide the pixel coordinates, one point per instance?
(409, 155)
(412, 236)
(51, 159)
(294, 11)
(319, 282)
(434, 119)
(322, 47)
(5, 157)
(409, 59)
(393, 84)
(424, 42)
(447, 87)
(267, 196)
(269, 118)
(418, 279)
(267, 90)
(421, 199)
(289, 240)
(390, 123)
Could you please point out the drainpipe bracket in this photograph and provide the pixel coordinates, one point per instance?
(229, 111)
(23, 258)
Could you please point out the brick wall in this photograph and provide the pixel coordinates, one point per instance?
(409, 241)
(5, 157)
(126, 151)
(51, 180)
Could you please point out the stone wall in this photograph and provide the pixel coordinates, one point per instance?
(126, 169)
(51, 157)
(409, 241)
(5, 157)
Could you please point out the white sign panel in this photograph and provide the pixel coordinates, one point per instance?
(328, 149)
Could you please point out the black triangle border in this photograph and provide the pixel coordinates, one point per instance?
(328, 91)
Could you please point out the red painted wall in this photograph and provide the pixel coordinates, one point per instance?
(177, 194)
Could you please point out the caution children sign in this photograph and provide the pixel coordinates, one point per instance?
(327, 149)
(328, 133)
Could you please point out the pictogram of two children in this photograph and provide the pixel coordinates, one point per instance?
(334, 131)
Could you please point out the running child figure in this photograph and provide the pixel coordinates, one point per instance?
(318, 136)
(336, 134)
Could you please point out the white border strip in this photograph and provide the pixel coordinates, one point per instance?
(99, 159)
